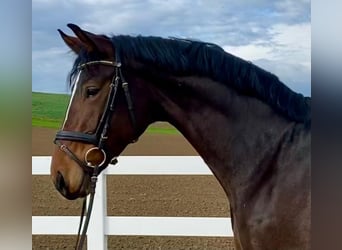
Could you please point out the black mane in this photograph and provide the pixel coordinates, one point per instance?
(185, 57)
(193, 57)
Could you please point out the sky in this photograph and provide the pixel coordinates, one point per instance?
(273, 34)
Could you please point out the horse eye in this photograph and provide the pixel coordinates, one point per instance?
(92, 91)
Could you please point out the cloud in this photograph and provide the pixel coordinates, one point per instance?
(298, 11)
(264, 30)
(291, 43)
(295, 76)
(287, 54)
(51, 66)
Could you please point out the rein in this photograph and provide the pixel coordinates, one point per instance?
(98, 139)
(80, 241)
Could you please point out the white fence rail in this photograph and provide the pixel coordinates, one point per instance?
(101, 225)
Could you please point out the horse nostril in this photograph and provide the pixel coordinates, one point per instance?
(60, 183)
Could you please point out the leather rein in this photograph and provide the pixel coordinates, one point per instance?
(98, 139)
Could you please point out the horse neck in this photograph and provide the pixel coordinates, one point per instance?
(231, 132)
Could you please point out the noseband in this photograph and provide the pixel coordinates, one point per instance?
(98, 139)
(100, 136)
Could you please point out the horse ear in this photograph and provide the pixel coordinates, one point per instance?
(73, 42)
(83, 36)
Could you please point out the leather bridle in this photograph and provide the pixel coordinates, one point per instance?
(100, 136)
(98, 139)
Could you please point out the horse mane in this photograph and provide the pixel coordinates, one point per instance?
(185, 57)
(182, 56)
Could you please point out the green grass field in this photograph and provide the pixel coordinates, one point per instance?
(48, 111)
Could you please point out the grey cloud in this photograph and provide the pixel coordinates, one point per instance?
(297, 77)
(226, 23)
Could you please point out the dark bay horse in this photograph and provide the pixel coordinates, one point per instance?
(251, 130)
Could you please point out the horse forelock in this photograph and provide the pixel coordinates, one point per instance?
(82, 57)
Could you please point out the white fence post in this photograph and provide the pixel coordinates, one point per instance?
(96, 236)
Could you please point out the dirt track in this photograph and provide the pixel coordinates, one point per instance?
(137, 196)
